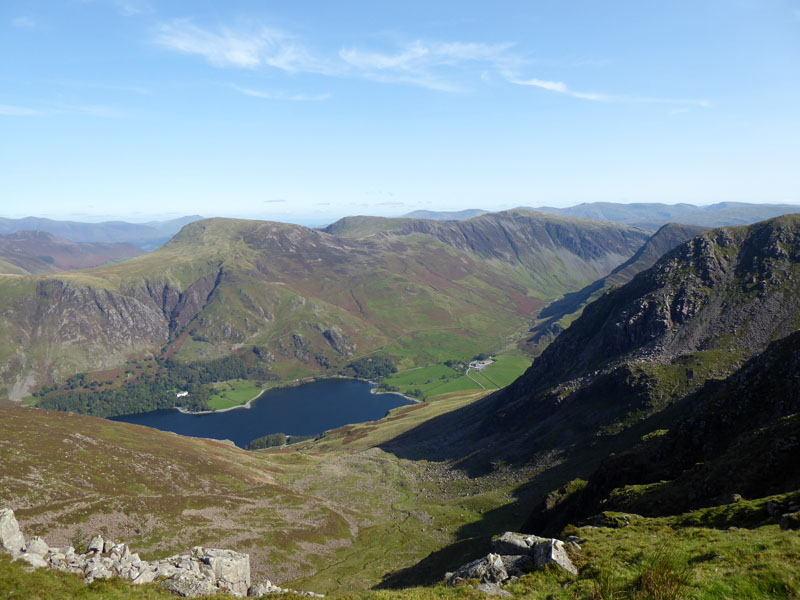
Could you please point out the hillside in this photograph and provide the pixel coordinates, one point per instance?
(698, 314)
(31, 252)
(559, 314)
(311, 302)
(147, 236)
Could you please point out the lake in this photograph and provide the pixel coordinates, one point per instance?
(307, 409)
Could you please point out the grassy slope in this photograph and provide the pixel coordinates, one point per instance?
(393, 512)
(233, 393)
(438, 379)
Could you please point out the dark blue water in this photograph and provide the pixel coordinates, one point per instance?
(307, 409)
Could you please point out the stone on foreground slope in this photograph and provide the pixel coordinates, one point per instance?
(201, 572)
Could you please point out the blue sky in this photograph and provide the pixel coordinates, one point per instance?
(308, 111)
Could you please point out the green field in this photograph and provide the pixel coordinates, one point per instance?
(233, 393)
(435, 380)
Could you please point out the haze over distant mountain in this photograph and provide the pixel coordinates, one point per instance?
(425, 291)
(647, 215)
(30, 252)
(146, 236)
(652, 215)
(444, 215)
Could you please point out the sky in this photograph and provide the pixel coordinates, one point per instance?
(308, 111)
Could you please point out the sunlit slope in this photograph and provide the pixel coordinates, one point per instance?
(423, 293)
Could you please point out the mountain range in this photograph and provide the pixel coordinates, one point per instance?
(33, 252)
(420, 291)
(146, 236)
(646, 215)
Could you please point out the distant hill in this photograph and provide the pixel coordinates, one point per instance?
(654, 215)
(419, 291)
(31, 252)
(146, 236)
(455, 215)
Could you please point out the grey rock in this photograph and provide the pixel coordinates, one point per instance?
(514, 543)
(263, 588)
(34, 560)
(11, 538)
(37, 545)
(108, 545)
(96, 544)
(517, 565)
(488, 569)
(189, 585)
(492, 589)
(553, 552)
(230, 569)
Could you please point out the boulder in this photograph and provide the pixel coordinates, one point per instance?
(190, 585)
(514, 543)
(263, 588)
(95, 545)
(550, 552)
(11, 539)
(231, 570)
(37, 545)
(518, 565)
(33, 560)
(489, 569)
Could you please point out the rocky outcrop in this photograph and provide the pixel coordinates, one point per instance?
(200, 572)
(512, 556)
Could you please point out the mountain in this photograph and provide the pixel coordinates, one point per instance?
(652, 215)
(702, 311)
(419, 291)
(146, 236)
(733, 438)
(555, 317)
(444, 215)
(29, 252)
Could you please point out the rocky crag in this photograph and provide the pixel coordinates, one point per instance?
(512, 556)
(200, 572)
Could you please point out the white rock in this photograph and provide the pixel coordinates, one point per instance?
(37, 545)
(11, 539)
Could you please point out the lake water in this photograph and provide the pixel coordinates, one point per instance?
(307, 409)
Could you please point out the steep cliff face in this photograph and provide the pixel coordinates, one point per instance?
(695, 317)
(733, 289)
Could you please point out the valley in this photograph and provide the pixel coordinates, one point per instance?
(598, 438)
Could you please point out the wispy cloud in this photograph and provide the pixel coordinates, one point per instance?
(561, 88)
(434, 65)
(275, 201)
(281, 95)
(23, 23)
(244, 49)
(20, 111)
